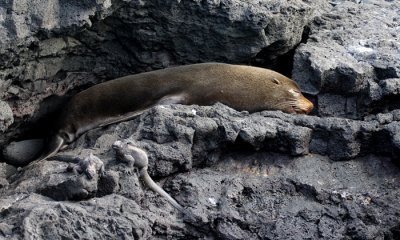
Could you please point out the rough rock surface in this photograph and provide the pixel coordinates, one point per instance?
(222, 167)
(351, 59)
(6, 116)
(266, 175)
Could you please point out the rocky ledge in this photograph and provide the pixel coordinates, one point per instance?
(262, 175)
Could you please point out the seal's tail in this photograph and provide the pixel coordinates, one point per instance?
(51, 148)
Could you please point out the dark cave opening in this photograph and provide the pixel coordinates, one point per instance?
(270, 56)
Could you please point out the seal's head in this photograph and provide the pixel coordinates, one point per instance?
(291, 100)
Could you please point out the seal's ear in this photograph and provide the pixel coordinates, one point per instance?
(276, 81)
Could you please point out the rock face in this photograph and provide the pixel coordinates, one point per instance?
(267, 175)
(351, 59)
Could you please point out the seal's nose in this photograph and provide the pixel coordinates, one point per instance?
(305, 105)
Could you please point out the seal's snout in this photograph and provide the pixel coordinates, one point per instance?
(305, 105)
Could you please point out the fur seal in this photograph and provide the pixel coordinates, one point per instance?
(137, 157)
(240, 87)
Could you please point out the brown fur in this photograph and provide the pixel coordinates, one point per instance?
(240, 87)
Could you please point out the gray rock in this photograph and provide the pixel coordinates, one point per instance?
(331, 105)
(270, 175)
(6, 171)
(128, 222)
(384, 118)
(353, 50)
(329, 68)
(394, 135)
(396, 115)
(390, 86)
(265, 175)
(6, 116)
(322, 202)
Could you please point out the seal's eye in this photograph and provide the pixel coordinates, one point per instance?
(276, 81)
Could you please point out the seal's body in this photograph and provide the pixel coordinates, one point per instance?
(240, 87)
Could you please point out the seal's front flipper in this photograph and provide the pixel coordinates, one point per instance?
(181, 98)
(122, 118)
(166, 100)
(51, 147)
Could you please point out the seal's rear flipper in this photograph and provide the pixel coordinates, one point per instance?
(21, 153)
(52, 147)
